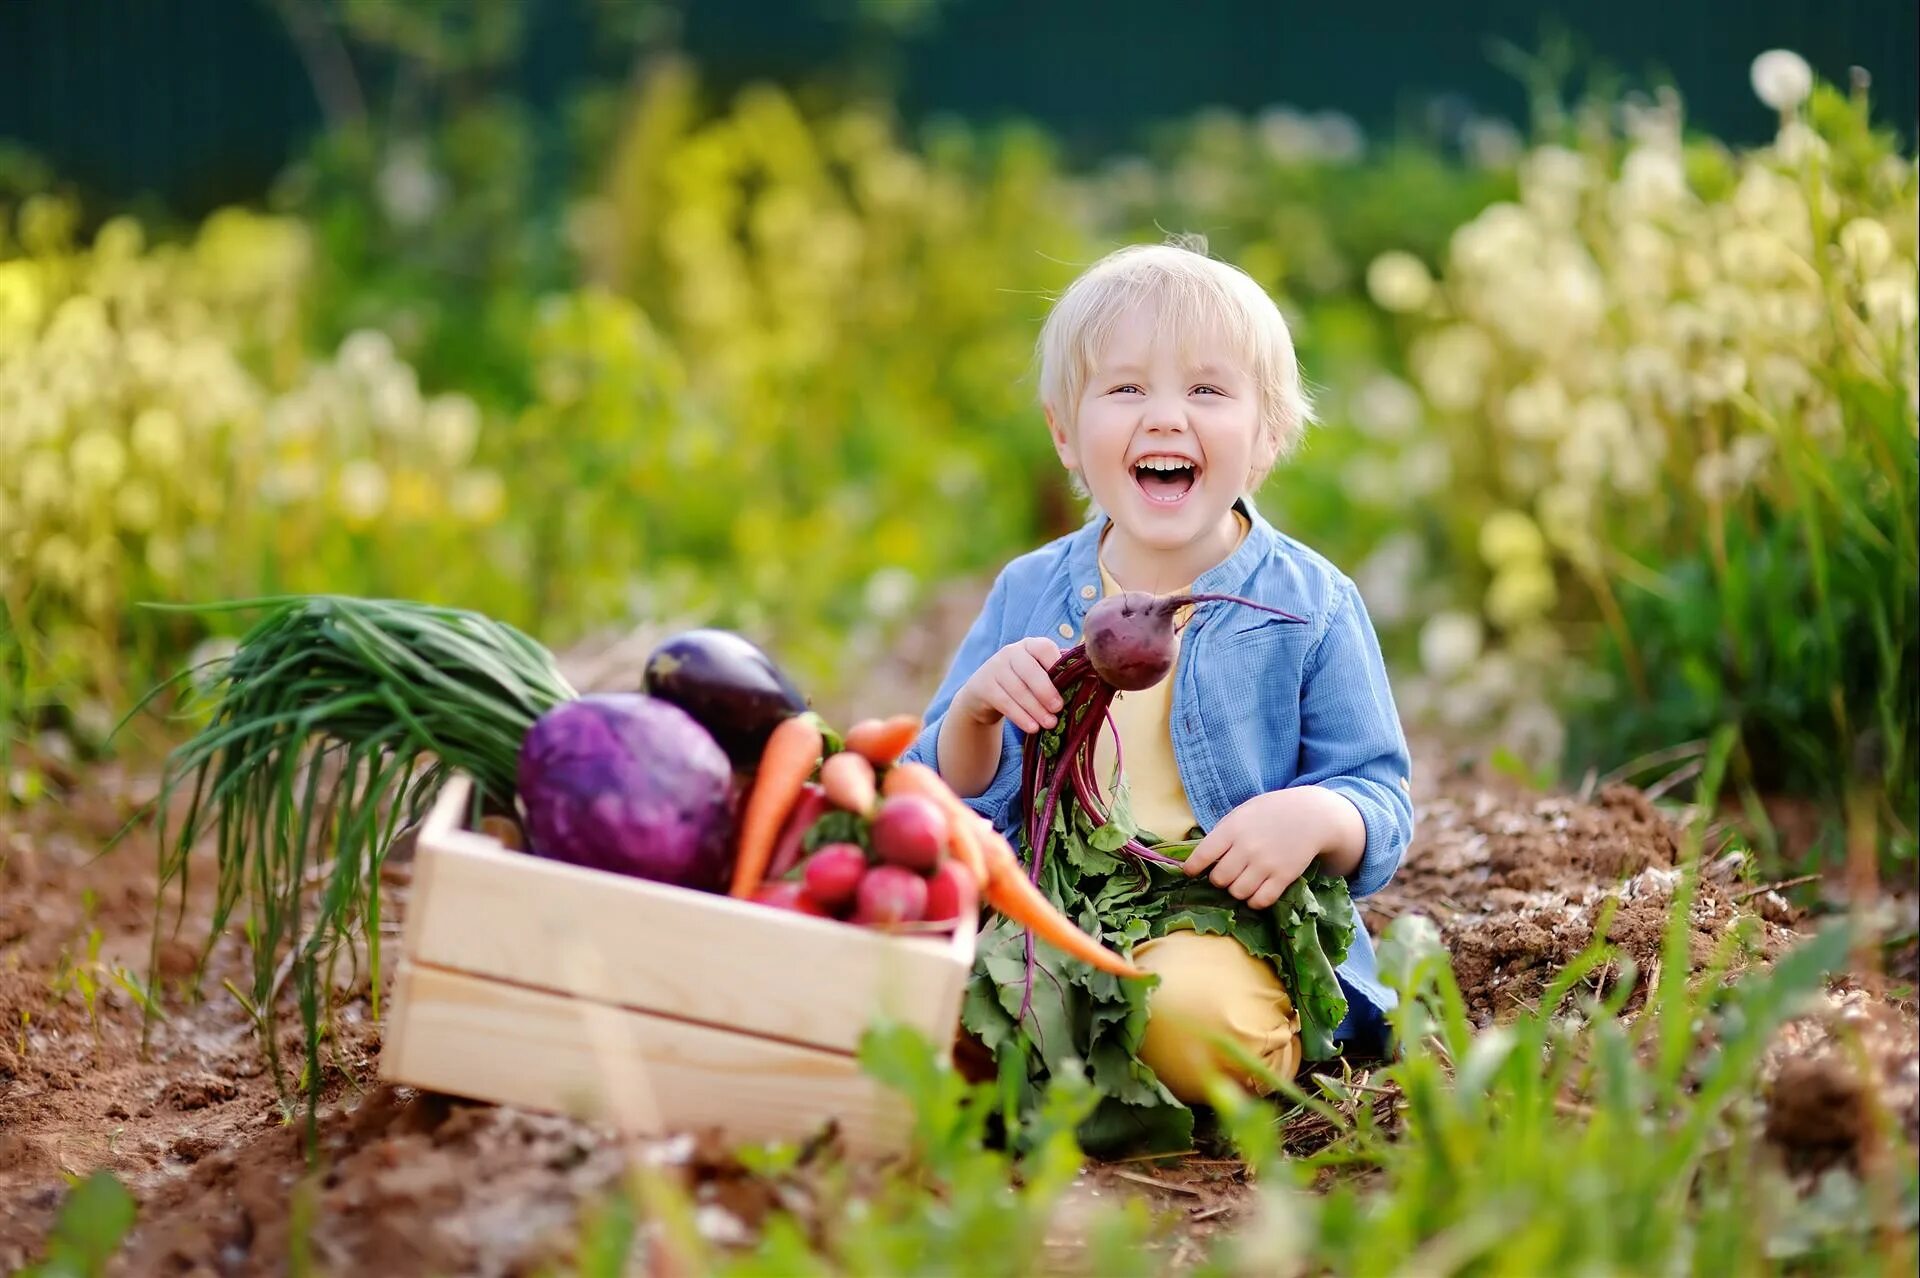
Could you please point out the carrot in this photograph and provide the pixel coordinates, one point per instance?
(881, 741)
(786, 763)
(918, 778)
(847, 778)
(1004, 883)
(1011, 892)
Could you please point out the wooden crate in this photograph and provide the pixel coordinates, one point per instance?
(555, 987)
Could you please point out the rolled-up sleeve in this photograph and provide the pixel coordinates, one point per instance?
(996, 802)
(1351, 740)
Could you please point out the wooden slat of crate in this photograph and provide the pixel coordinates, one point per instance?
(480, 908)
(503, 1043)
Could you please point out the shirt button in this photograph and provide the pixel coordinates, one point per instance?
(1066, 631)
(1086, 592)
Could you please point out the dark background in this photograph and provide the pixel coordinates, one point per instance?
(198, 102)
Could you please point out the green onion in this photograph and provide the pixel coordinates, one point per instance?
(335, 720)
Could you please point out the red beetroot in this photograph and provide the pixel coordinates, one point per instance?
(832, 874)
(890, 894)
(786, 894)
(910, 832)
(950, 893)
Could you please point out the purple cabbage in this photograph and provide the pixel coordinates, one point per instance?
(629, 783)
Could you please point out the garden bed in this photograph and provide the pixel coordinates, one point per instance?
(414, 1183)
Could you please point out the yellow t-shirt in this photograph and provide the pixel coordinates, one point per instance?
(1144, 721)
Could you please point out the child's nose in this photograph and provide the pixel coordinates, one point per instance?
(1165, 413)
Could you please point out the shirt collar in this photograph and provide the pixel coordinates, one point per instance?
(1225, 577)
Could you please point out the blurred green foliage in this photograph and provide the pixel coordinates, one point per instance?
(1616, 423)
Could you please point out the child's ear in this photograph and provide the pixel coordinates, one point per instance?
(1266, 451)
(1062, 442)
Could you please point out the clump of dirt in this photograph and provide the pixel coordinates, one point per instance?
(1519, 881)
(1841, 1078)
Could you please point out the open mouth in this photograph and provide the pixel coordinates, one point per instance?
(1165, 479)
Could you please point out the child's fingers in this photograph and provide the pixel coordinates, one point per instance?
(1018, 703)
(1043, 650)
(1231, 865)
(1247, 882)
(1041, 688)
(1266, 894)
(1204, 854)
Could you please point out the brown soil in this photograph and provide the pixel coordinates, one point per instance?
(406, 1183)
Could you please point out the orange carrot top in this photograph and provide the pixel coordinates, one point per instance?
(792, 753)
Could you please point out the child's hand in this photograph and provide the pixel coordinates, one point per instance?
(1262, 846)
(1013, 684)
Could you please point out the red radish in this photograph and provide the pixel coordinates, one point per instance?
(911, 832)
(890, 894)
(785, 894)
(950, 893)
(832, 874)
(848, 780)
(807, 809)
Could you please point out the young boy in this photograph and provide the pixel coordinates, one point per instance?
(1169, 384)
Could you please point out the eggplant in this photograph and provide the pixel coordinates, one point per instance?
(728, 685)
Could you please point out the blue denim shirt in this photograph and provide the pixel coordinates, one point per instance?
(1259, 703)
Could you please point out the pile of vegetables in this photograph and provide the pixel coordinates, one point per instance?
(1048, 1010)
(335, 719)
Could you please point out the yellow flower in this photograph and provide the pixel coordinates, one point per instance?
(1452, 366)
(1521, 592)
(1566, 518)
(451, 428)
(43, 483)
(361, 492)
(158, 440)
(1537, 409)
(21, 300)
(1509, 537)
(164, 559)
(1399, 282)
(136, 507)
(478, 496)
(119, 239)
(99, 459)
(58, 561)
(46, 224)
(414, 496)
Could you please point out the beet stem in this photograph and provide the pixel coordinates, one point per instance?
(1173, 603)
(1093, 708)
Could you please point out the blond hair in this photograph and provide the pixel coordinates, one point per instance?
(1196, 296)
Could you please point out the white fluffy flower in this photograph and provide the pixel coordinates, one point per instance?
(1781, 79)
(1449, 642)
(1399, 281)
(1866, 244)
(1386, 407)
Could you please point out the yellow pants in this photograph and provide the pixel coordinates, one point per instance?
(1211, 988)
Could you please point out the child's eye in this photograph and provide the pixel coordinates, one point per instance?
(1126, 386)
(1211, 390)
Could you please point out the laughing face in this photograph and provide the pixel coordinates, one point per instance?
(1166, 439)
